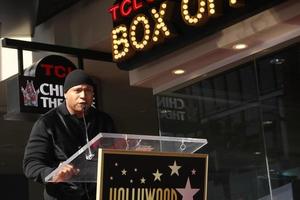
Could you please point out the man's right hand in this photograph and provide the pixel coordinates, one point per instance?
(65, 173)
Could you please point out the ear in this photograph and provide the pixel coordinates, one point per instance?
(65, 95)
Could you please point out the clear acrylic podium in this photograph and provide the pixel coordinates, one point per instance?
(86, 158)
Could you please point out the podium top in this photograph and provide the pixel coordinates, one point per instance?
(85, 159)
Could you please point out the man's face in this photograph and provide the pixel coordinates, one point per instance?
(79, 98)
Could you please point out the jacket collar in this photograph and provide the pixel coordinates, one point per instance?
(63, 109)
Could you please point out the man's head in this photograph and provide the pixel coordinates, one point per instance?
(79, 92)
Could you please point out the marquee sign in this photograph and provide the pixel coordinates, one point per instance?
(146, 29)
(41, 87)
(126, 175)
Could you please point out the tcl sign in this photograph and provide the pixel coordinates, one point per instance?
(127, 7)
(57, 71)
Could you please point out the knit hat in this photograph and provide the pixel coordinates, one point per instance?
(77, 77)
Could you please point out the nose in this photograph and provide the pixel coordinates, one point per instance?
(82, 94)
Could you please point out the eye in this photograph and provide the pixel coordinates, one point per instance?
(77, 90)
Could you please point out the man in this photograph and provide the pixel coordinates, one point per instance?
(59, 133)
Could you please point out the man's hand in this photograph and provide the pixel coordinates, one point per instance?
(65, 173)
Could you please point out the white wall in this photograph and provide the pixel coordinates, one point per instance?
(9, 60)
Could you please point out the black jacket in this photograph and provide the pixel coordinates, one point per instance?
(54, 138)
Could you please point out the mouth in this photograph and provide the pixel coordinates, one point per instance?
(83, 104)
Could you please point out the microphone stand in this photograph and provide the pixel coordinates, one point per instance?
(89, 155)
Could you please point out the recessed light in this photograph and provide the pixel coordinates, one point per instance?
(277, 61)
(240, 46)
(178, 71)
(269, 122)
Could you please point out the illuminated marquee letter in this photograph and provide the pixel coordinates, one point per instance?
(137, 43)
(120, 42)
(113, 11)
(125, 10)
(205, 9)
(197, 19)
(160, 25)
(211, 6)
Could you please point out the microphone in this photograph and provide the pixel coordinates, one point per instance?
(89, 155)
(85, 107)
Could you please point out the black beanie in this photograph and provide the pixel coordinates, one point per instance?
(77, 77)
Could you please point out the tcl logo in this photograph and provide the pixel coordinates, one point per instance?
(58, 71)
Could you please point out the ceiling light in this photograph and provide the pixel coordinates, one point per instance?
(240, 46)
(269, 122)
(277, 61)
(178, 71)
